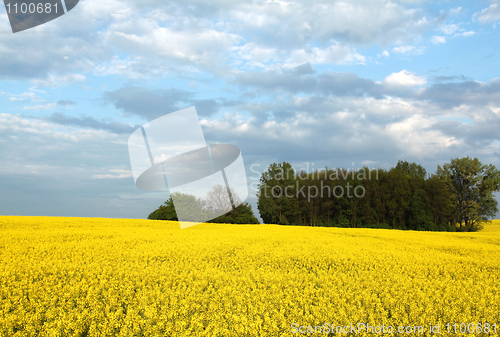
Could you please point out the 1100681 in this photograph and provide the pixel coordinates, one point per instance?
(31, 8)
(471, 328)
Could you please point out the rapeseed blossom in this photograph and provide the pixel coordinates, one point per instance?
(108, 277)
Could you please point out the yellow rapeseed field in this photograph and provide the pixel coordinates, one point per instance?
(102, 277)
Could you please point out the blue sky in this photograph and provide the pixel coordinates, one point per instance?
(329, 83)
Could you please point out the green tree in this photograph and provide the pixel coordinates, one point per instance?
(441, 203)
(420, 217)
(277, 202)
(165, 211)
(195, 208)
(397, 197)
(473, 185)
(242, 215)
(411, 169)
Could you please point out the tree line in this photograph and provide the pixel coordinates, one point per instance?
(219, 206)
(458, 197)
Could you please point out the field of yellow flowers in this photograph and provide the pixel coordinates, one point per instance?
(102, 277)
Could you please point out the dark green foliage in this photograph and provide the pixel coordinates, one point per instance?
(242, 214)
(441, 201)
(277, 184)
(420, 217)
(165, 211)
(404, 197)
(186, 201)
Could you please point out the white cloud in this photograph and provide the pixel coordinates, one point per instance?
(369, 129)
(466, 33)
(115, 174)
(455, 11)
(488, 15)
(47, 106)
(379, 21)
(403, 49)
(29, 96)
(436, 39)
(449, 29)
(404, 79)
(117, 66)
(60, 80)
(415, 134)
(253, 55)
(200, 47)
(334, 54)
(26, 127)
(157, 38)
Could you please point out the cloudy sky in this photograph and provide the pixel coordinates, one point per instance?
(329, 83)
